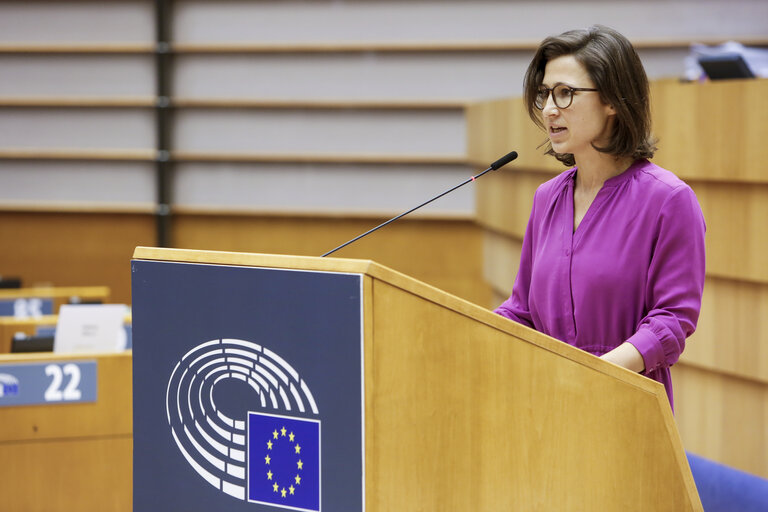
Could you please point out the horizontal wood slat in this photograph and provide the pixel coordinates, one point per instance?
(508, 45)
(233, 103)
(200, 156)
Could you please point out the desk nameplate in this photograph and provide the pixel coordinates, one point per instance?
(51, 382)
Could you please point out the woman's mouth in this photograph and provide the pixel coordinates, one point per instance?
(556, 132)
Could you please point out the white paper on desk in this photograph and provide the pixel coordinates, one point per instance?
(90, 328)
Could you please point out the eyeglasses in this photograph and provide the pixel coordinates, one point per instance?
(562, 94)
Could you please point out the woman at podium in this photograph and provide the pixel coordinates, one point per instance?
(613, 255)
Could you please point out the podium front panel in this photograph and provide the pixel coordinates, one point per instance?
(247, 388)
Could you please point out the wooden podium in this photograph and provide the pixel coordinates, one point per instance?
(462, 409)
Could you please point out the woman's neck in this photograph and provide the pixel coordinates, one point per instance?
(594, 170)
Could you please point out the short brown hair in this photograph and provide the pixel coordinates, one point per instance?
(615, 68)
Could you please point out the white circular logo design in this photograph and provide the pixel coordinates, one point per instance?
(214, 444)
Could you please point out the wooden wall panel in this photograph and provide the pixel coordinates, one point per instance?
(712, 131)
(732, 334)
(442, 252)
(737, 238)
(95, 248)
(74, 249)
(504, 202)
(722, 417)
(501, 260)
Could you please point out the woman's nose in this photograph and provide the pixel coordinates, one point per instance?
(550, 109)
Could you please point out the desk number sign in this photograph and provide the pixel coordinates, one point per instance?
(51, 382)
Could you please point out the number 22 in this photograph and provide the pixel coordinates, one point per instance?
(54, 393)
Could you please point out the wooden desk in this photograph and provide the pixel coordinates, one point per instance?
(70, 457)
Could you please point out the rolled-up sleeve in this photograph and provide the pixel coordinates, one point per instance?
(675, 281)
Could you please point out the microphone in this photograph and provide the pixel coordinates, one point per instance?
(501, 162)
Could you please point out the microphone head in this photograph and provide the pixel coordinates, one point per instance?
(501, 162)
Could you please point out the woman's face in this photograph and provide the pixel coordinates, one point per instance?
(586, 121)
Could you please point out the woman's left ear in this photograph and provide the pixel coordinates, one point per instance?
(611, 110)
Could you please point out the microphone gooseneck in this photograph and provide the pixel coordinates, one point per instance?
(501, 162)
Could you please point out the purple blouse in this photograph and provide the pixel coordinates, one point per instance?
(632, 271)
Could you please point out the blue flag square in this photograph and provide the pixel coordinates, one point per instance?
(284, 461)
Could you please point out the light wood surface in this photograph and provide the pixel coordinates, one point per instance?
(737, 239)
(722, 417)
(232, 103)
(74, 248)
(70, 456)
(466, 410)
(324, 103)
(444, 252)
(77, 48)
(347, 158)
(87, 475)
(476, 410)
(122, 155)
(78, 101)
(498, 45)
(111, 414)
(96, 246)
(149, 155)
(505, 45)
(732, 334)
(713, 130)
(56, 292)
(75, 207)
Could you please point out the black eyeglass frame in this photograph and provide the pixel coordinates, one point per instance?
(551, 90)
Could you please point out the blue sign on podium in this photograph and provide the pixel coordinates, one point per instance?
(247, 389)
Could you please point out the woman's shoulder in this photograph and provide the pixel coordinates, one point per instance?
(555, 185)
(662, 189)
(657, 178)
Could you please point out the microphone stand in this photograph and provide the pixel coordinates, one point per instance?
(495, 165)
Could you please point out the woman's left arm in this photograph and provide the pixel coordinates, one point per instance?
(673, 289)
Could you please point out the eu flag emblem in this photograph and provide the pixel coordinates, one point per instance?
(284, 461)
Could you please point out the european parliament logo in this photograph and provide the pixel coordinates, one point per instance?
(9, 385)
(267, 454)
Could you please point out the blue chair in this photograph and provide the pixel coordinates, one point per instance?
(724, 489)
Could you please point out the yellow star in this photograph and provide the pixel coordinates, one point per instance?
(274, 434)
(282, 492)
(300, 464)
(267, 459)
(291, 488)
(298, 480)
(298, 448)
(269, 445)
(269, 475)
(283, 431)
(275, 486)
(291, 436)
